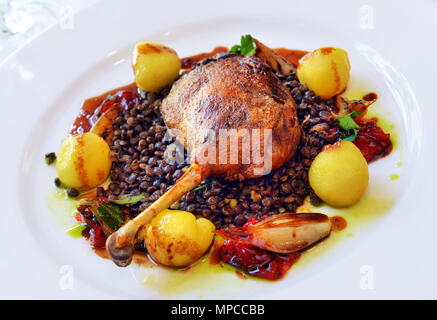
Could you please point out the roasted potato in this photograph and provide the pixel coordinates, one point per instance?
(155, 66)
(325, 71)
(83, 161)
(176, 238)
(339, 174)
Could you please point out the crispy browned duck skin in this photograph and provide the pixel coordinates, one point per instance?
(232, 92)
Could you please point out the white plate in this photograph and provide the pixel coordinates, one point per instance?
(44, 84)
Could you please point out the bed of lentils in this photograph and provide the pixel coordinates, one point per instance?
(139, 144)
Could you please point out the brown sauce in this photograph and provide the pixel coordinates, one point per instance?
(370, 97)
(189, 62)
(83, 123)
(101, 252)
(338, 223)
(291, 55)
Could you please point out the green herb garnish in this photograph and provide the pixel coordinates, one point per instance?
(247, 46)
(111, 215)
(76, 229)
(202, 186)
(128, 199)
(348, 126)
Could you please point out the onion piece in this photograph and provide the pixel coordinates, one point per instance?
(104, 123)
(344, 106)
(282, 233)
(276, 61)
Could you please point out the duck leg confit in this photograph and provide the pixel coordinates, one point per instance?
(233, 93)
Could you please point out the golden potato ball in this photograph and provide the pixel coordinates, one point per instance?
(176, 238)
(83, 161)
(339, 174)
(325, 71)
(155, 66)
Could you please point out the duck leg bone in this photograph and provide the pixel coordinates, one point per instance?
(120, 244)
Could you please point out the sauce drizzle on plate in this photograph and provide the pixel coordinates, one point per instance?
(97, 105)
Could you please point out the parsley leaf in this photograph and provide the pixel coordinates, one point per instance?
(247, 46)
(349, 127)
(236, 48)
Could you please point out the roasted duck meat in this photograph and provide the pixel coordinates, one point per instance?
(233, 92)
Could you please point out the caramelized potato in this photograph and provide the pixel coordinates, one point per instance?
(83, 161)
(175, 238)
(155, 66)
(339, 174)
(325, 71)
